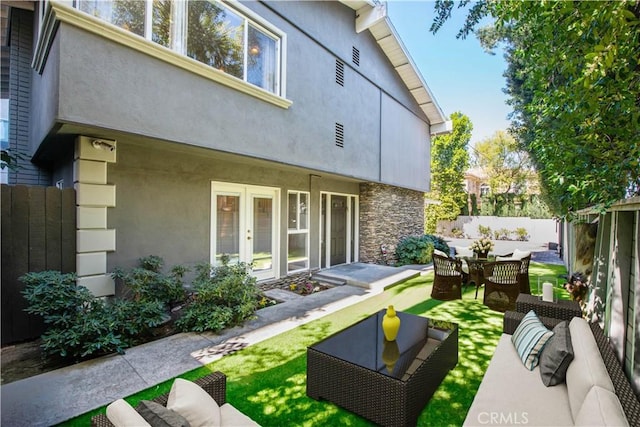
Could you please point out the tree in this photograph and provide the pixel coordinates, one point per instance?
(573, 83)
(449, 162)
(508, 168)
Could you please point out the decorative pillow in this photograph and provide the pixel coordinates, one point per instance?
(529, 339)
(439, 252)
(464, 251)
(556, 356)
(159, 416)
(121, 414)
(518, 254)
(192, 402)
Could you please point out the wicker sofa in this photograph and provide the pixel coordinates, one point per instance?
(215, 384)
(510, 394)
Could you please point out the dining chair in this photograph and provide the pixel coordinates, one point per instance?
(447, 282)
(501, 284)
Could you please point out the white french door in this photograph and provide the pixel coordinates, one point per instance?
(244, 226)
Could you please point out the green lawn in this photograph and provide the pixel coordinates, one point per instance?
(267, 380)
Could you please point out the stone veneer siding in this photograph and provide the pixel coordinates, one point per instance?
(387, 214)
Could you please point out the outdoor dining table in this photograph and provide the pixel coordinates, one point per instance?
(476, 270)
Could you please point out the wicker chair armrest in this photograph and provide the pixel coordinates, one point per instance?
(564, 310)
(215, 384)
(513, 318)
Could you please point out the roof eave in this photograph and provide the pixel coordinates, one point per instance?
(372, 16)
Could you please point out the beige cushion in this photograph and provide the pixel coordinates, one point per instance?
(518, 254)
(192, 402)
(506, 258)
(514, 395)
(587, 368)
(464, 251)
(439, 252)
(465, 266)
(601, 408)
(232, 417)
(121, 414)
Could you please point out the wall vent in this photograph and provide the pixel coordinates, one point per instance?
(339, 72)
(356, 56)
(340, 135)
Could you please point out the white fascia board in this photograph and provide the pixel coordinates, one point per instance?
(440, 116)
(440, 128)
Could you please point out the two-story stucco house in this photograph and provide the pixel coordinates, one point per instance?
(291, 134)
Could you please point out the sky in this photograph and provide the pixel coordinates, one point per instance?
(460, 75)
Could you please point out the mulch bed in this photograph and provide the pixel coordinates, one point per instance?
(300, 283)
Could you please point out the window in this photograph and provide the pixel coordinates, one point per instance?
(229, 38)
(298, 232)
(129, 15)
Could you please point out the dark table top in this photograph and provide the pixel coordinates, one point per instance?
(363, 344)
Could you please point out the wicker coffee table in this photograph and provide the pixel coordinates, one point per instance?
(388, 383)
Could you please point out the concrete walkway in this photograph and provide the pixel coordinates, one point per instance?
(59, 395)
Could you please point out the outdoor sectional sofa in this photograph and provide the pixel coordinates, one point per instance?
(596, 391)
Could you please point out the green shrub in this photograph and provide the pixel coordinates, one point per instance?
(79, 325)
(147, 283)
(438, 242)
(484, 231)
(521, 234)
(456, 232)
(502, 234)
(224, 296)
(419, 249)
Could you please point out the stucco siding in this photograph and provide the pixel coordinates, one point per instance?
(163, 197)
(340, 38)
(405, 148)
(97, 78)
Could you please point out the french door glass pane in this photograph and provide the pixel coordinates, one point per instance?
(262, 228)
(228, 228)
(293, 211)
(215, 36)
(297, 258)
(126, 14)
(261, 59)
(304, 212)
(161, 22)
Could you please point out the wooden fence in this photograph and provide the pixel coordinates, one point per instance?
(38, 234)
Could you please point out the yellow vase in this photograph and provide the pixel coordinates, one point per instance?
(390, 324)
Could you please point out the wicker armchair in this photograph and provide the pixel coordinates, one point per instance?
(447, 282)
(215, 384)
(502, 286)
(523, 278)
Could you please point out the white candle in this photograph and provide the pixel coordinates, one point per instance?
(547, 291)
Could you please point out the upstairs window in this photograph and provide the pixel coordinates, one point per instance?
(227, 37)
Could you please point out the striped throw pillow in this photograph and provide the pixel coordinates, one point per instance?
(529, 339)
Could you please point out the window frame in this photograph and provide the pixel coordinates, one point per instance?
(298, 230)
(68, 12)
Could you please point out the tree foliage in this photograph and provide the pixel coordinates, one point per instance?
(449, 162)
(573, 79)
(508, 169)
